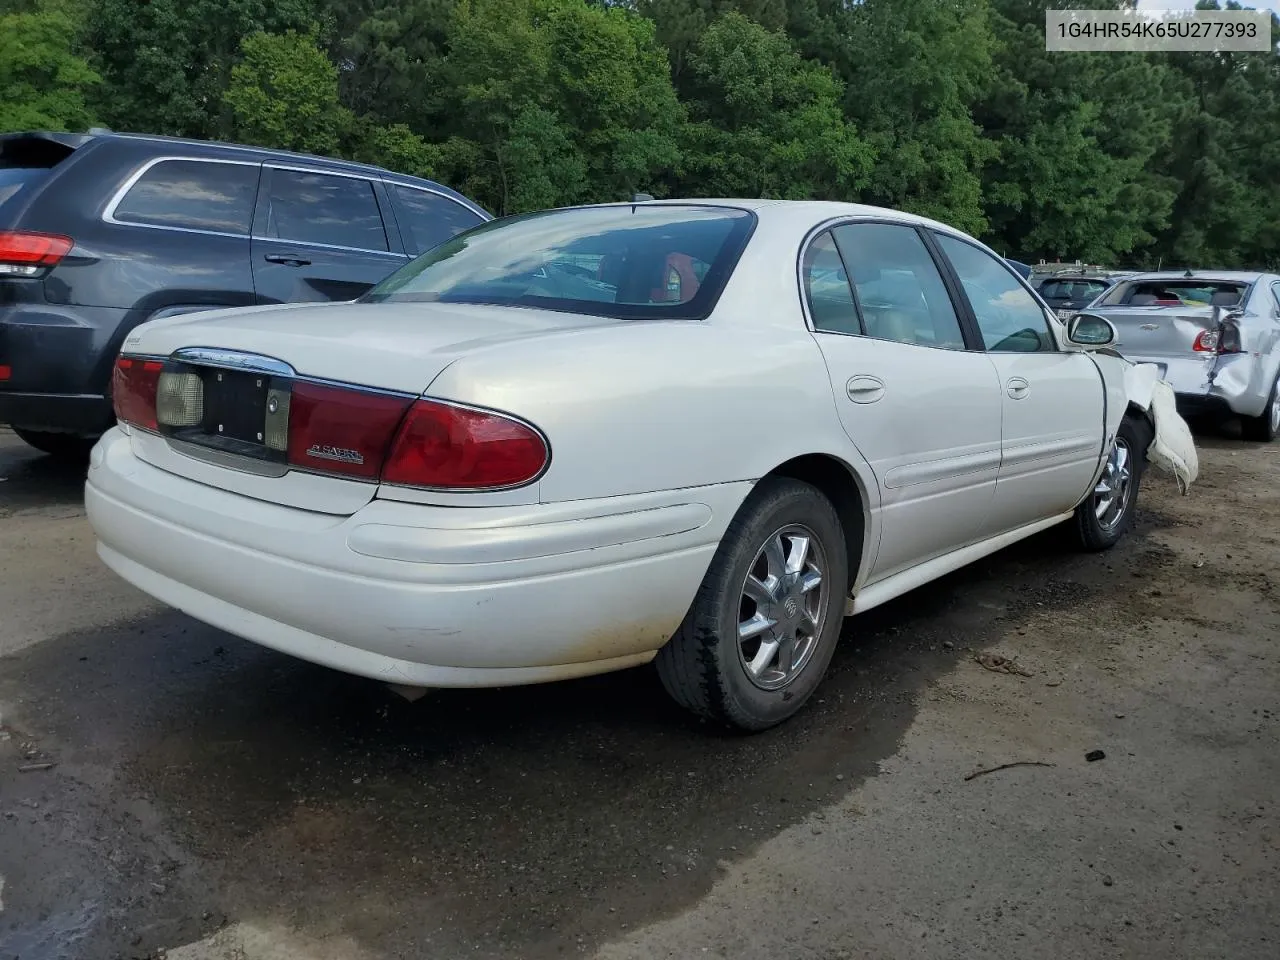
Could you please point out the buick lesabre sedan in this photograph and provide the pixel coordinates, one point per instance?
(576, 441)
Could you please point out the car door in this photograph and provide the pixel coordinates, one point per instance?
(922, 410)
(320, 236)
(1053, 401)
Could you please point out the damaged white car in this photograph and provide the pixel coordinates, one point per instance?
(576, 441)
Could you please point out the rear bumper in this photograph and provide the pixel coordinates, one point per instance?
(83, 414)
(501, 596)
(59, 359)
(1231, 385)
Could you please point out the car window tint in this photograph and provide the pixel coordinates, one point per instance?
(900, 292)
(1009, 317)
(827, 288)
(318, 208)
(194, 194)
(428, 219)
(625, 261)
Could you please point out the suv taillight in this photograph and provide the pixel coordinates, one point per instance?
(26, 254)
(133, 391)
(446, 446)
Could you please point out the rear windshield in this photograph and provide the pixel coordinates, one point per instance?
(629, 262)
(13, 179)
(1178, 293)
(1074, 289)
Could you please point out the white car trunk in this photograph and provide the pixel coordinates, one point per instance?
(399, 347)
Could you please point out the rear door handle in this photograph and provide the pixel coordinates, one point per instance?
(864, 389)
(1018, 388)
(288, 259)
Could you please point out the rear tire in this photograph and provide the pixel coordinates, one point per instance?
(1264, 428)
(1107, 512)
(759, 636)
(68, 447)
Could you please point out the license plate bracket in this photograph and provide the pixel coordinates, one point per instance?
(235, 405)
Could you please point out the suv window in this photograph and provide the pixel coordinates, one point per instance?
(827, 288)
(193, 194)
(1009, 317)
(900, 292)
(320, 208)
(429, 219)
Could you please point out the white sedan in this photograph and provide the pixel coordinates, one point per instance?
(571, 442)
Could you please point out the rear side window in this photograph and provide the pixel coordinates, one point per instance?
(321, 208)
(899, 288)
(193, 195)
(827, 286)
(429, 219)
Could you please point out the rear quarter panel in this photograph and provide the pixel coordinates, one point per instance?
(649, 406)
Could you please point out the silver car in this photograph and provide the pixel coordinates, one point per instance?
(1215, 334)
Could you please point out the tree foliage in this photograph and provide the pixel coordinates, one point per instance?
(950, 108)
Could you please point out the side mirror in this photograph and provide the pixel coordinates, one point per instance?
(1087, 330)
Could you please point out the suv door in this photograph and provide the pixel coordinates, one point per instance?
(923, 410)
(320, 235)
(1053, 400)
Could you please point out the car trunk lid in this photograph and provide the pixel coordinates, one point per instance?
(263, 374)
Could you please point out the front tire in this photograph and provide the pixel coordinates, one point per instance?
(760, 634)
(68, 447)
(1264, 428)
(1106, 514)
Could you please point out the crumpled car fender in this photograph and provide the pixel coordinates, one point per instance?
(1173, 449)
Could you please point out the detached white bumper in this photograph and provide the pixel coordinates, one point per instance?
(413, 594)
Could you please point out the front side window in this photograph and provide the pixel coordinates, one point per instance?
(628, 262)
(1009, 317)
(900, 292)
(193, 195)
(320, 208)
(429, 219)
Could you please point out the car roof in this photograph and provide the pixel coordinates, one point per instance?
(1212, 276)
(218, 147)
(815, 210)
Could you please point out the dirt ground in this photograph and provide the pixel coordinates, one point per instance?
(210, 800)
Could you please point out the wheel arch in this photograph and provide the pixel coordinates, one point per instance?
(840, 484)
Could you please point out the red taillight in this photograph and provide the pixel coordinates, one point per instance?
(444, 446)
(25, 254)
(6, 371)
(342, 431)
(1226, 339)
(133, 391)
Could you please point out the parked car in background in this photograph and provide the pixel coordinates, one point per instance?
(571, 442)
(1067, 294)
(1214, 334)
(100, 232)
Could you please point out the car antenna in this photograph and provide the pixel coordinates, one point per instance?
(1189, 275)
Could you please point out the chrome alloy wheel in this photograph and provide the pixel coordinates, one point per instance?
(1275, 409)
(1111, 495)
(782, 609)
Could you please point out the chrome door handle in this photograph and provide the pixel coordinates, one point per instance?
(1018, 388)
(864, 388)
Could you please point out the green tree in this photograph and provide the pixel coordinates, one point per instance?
(167, 63)
(766, 122)
(44, 84)
(284, 93)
